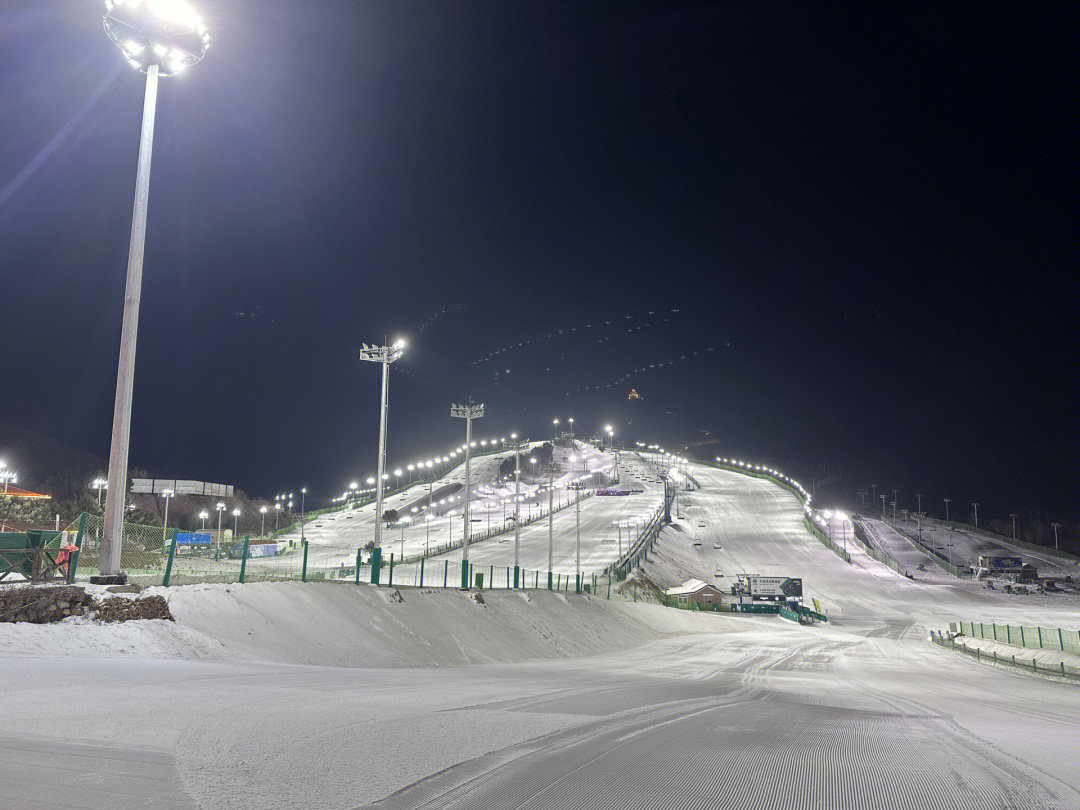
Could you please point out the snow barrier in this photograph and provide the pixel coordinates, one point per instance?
(1036, 638)
(1009, 659)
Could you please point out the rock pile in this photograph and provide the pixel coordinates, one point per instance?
(47, 603)
(43, 604)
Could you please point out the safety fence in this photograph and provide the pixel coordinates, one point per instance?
(942, 562)
(1036, 638)
(1032, 665)
(144, 562)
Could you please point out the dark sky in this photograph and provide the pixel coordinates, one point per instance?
(849, 235)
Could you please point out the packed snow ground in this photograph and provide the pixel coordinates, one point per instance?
(319, 695)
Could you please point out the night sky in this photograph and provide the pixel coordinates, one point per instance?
(848, 236)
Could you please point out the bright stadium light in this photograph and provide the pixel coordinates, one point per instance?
(384, 356)
(160, 38)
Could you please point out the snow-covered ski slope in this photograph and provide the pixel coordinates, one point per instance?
(759, 528)
(334, 537)
(321, 695)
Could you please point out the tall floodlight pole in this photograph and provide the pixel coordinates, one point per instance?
(468, 413)
(883, 506)
(975, 506)
(918, 497)
(160, 39)
(1054, 526)
(262, 521)
(895, 493)
(1013, 516)
(385, 355)
(947, 502)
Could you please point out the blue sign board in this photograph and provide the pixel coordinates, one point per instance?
(192, 539)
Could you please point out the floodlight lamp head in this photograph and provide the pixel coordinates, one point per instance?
(166, 33)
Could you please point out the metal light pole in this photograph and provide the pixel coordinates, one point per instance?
(384, 355)
(1013, 526)
(262, 521)
(918, 497)
(883, 506)
(975, 506)
(517, 446)
(1054, 526)
(161, 40)
(427, 535)
(468, 413)
(203, 516)
(947, 502)
(220, 510)
(303, 495)
(236, 523)
(577, 519)
(551, 515)
(165, 522)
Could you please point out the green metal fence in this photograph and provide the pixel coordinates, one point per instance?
(1010, 659)
(862, 540)
(1032, 637)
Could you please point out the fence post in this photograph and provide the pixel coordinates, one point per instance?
(1061, 640)
(516, 572)
(358, 566)
(78, 547)
(549, 580)
(243, 558)
(390, 578)
(491, 576)
(376, 565)
(609, 586)
(421, 572)
(168, 565)
(445, 572)
(1034, 664)
(303, 571)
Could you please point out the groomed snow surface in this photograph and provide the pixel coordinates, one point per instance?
(328, 695)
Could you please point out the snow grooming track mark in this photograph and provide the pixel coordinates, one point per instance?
(949, 733)
(747, 748)
(457, 785)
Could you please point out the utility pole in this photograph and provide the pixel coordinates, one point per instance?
(427, 533)
(167, 493)
(468, 413)
(551, 514)
(384, 355)
(517, 447)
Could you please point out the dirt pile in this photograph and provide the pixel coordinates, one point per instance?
(50, 603)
